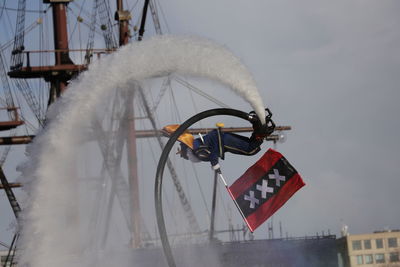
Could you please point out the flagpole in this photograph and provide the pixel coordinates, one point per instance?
(213, 206)
(236, 204)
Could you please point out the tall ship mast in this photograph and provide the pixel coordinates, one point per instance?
(41, 75)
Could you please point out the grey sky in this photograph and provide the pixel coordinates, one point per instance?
(330, 69)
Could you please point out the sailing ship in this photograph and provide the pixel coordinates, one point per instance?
(37, 75)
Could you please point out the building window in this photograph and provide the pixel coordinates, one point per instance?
(360, 259)
(368, 259)
(379, 243)
(379, 258)
(357, 245)
(394, 257)
(367, 244)
(392, 242)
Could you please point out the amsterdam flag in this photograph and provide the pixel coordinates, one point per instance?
(264, 188)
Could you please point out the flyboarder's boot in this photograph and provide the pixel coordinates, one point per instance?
(185, 138)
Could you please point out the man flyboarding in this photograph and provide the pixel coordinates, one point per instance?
(213, 145)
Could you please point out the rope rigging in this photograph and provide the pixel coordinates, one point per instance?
(112, 166)
(12, 110)
(6, 150)
(24, 87)
(165, 85)
(26, 31)
(154, 14)
(110, 146)
(17, 56)
(200, 122)
(10, 194)
(10, 27)
(79, 19)
(17, 61)
(83, 19)
(193, 224)
(168, 201)
(200, 92)
(90, 42)
(80, 7)
(163, 15)
(149, 147)
(9, 260)
(3, 7)
(6, 87)
(106, 25)
(173, 99)
(16, 9)
(17, 210)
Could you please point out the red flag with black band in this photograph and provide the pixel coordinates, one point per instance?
(265, 187)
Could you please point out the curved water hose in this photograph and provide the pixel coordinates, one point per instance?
(161, 164)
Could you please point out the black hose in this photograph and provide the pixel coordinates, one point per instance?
(161, 165)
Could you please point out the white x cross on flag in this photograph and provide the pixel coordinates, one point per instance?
(264, 188)
(278, 178)
(252, 199)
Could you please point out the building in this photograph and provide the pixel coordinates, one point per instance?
(317, 251)
(3, 257)
(381, 248)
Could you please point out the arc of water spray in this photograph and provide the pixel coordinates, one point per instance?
(44, 241)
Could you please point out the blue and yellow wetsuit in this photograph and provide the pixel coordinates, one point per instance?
(216, 143)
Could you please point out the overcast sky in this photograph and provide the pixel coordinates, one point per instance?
(331, 70)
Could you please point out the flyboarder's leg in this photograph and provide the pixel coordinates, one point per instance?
(241, 145)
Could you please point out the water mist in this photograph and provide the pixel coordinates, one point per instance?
(52, 234)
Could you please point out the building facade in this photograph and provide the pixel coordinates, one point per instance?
(375, 249)
(3, 257)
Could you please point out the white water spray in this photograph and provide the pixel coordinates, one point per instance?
(49, 234)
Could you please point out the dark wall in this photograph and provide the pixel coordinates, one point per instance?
(318, 252)
(264, 253)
